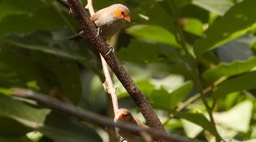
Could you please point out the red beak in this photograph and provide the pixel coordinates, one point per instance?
(128, 19)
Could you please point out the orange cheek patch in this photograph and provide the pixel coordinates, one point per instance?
(118, 14)
(121, 116)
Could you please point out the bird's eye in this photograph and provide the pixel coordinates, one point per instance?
(122, 13)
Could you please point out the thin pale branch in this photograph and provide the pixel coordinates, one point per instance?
(108, 84)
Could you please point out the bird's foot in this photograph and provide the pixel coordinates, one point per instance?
(98, 31)
(111, 49)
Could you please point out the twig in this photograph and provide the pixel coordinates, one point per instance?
(197, 83)
(197, 96)
(190, 100)
(108, 84)
(140, 100)
(89, 6)
(84, 115)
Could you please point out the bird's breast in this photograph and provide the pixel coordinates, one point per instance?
(107, 30)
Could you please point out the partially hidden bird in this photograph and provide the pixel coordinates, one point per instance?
(108, 21)
(123, 115)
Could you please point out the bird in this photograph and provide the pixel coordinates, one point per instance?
(123, 115)
(108, 21)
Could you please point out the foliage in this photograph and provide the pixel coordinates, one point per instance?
(191, 58)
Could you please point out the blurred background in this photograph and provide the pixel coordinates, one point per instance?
(190, 58)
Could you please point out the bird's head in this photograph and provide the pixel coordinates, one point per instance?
(124, 115)
(121, 12)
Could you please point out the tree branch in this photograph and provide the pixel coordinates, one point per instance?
(84, 115)
(140, 100)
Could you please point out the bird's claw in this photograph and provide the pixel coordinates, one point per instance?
(98, 31)
(110, 49)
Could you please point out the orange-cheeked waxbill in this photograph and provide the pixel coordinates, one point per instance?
(109, 20)
(123, 115)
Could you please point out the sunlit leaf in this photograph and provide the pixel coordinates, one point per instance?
(136, 49)
(153, 33)
(228, 28)
(216, 6)
(191, 129)
(239, 83)
(230, 117)
(54, 125)
(196, 118)
(161, 96)
(181, 92)
(193, 26)
(229, 69)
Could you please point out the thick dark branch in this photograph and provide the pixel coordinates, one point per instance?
(89, 116)
(140, 100)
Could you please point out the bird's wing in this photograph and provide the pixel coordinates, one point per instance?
(94, 17)
(139, 123)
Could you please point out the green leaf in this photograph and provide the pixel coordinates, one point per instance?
(63, 129)
(27, 115)
(54, 125)
(33, 85)
(7, 126)
(45, 72)
(13, 73)
(215, 6)
(230, 117)
(229, 69)
(191, 129)
(61, 74)
(9, 7)
(181, 3)
(6, 92)
(136, 49)
(196, 118)
(44, 18)
(14, 139)
(162, 97)
(157, 15)
(251, 140)
(145, 86)
(153, 33)
(35, 136)
(46, 49)
(243, 82)
(181, 92)
(228, 28)
(193, 26)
